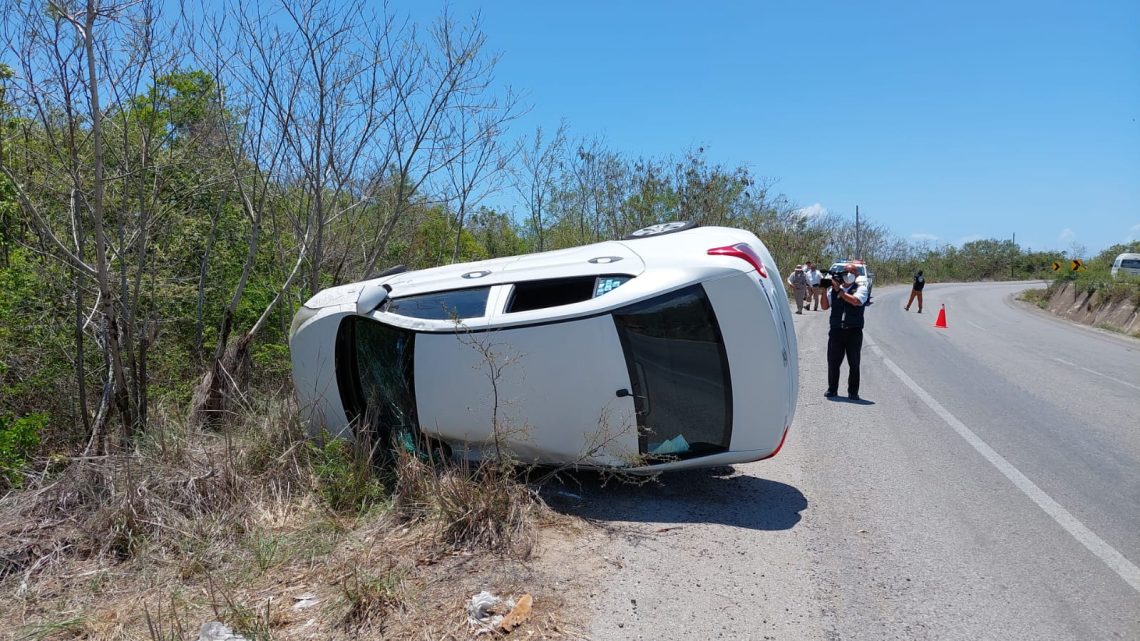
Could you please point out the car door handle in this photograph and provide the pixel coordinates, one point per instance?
(640, 403)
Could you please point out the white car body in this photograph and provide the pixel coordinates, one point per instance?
(691, 361)
(1126, 264)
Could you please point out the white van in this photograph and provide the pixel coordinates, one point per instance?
(1127, 265)
(671, 348)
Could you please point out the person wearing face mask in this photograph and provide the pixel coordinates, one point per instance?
(846, 300)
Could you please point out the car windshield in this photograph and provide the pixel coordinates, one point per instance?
(375, 365)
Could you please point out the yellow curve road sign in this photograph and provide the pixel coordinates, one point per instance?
(1056, 265)
(1077, 266)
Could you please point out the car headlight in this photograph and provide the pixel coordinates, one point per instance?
(299, 319)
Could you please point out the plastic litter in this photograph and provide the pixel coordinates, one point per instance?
(480, 612)
(217, 631)
(675, 445)
(304, 601)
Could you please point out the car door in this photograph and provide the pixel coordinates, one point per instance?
(554, 392)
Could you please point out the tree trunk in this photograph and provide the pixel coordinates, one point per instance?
(215, 395)
(102, 268)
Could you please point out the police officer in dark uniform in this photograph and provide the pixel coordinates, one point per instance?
(846, 300)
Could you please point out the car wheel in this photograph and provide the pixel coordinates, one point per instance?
(660, 229)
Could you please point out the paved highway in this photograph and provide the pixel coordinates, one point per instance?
(987, 488)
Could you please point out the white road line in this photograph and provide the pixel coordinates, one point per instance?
(1086, 537)
(976, 325)
(1093, 371)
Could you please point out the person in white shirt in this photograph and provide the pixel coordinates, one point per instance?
(815, 292)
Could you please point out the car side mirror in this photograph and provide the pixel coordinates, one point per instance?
(370, 298)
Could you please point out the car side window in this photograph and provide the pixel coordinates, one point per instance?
(455, 304)
(540, 294)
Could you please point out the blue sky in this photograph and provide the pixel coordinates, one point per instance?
(946, 121)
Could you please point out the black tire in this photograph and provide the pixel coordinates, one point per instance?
(395, 269)
(660, 229)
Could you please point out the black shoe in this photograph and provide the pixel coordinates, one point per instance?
(920, 311)
(829, 394)
(853, 397)
(906, 309)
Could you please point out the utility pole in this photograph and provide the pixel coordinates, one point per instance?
(1012, 255)
(858, 254)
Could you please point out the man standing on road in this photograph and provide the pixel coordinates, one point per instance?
(916, 291)
(799, 282)
(846, 300)
(815, 292)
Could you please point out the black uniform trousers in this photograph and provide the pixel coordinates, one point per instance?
(840, 343)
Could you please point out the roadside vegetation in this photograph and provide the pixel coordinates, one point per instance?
(1092, 295)
(172, 188)
(271, 533)
(1095, 278)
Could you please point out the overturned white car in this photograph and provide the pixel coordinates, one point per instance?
(671, 348)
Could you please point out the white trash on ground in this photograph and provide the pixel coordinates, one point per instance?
(480, 612)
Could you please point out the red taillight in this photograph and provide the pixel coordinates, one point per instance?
(744, 251)
(780, 446)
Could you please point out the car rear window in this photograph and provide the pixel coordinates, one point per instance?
(679, 371)
(1130, 263)
(455, 304)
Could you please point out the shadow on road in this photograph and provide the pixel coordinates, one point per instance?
(844, 399)
(717, 495)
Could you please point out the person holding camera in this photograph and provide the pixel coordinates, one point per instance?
(846, 300)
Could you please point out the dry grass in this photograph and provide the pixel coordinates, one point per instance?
(1038, 297)
(471, 507)
(236, 526)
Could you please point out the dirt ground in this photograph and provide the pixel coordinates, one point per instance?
(373, 583)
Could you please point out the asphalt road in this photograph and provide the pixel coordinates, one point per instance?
(987, 488)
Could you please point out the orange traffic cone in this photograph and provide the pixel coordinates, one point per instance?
(941, 321)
